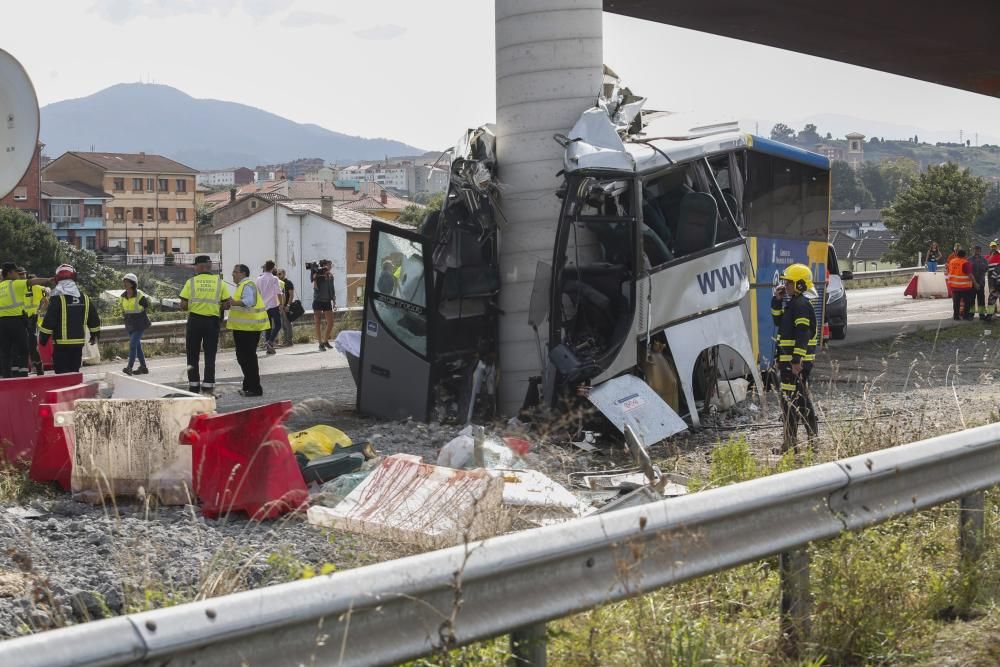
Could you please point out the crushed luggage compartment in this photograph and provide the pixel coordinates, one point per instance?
(406, 500)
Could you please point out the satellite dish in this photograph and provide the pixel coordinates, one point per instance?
(19, 122)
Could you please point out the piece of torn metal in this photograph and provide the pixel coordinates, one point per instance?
(627, 400)
(406, 500)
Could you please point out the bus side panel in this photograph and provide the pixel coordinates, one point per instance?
(818, 252)
(772, 256)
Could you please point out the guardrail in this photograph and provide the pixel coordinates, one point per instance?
(116, 333)
(869, 275)
(403, 609)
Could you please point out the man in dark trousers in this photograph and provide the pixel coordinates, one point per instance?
(204, 296)
(979, 267)
(69, 315)
(247, 319)
(14, 301)
(962, 284)
(797, 339)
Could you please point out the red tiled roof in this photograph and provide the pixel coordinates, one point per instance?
(134, 162)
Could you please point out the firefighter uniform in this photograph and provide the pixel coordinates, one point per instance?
(36, 294)
(205, 294)
(13, 328)
(66, 321)
(993, 278)
(798, 336)
(247, 323)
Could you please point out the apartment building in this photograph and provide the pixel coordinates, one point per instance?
(76, 213)
(225, 177)
(26, 195)
(153, 205)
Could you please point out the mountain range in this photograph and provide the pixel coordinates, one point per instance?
(201, 133)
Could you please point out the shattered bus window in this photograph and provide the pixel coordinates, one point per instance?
(400, 292)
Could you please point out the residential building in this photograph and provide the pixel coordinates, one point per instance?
(430, 179)
(76, 212)
(153, 206)
(226, 177)
(832, 152)
(26, 195)
(295, 233)
(384, 205)
(855, 149)
(324, 173)
(857, 221)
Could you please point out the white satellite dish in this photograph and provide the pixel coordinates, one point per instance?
(19, 122)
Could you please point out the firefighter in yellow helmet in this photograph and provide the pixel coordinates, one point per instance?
(798, 334)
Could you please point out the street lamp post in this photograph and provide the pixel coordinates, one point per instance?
(128, 214)
(142, 243)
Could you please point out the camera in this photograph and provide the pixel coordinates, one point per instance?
(318, 268)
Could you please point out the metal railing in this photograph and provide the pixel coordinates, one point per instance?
(886, 273)
(403, 609)
(116, 333)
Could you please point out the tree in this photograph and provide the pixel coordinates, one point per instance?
(93, 276)
(988, 223)
(885, 181)
(846, 188)
(782, 132)
(27, 242)
(941, 205)
(414, 214)
(808, 136)
(829, 136)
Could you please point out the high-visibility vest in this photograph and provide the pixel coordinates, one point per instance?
(34, 300)
(957, 278)
(130, 306)
(204, 292)
(242, 318)
(13, 298)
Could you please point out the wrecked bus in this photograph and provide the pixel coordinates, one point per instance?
(670, 238)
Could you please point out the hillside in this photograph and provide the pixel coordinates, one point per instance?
(202, 133)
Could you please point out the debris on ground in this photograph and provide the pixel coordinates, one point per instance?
(407, 500)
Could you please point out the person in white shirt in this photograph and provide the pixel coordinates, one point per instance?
(270, 292)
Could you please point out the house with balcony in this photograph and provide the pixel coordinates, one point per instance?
(152, 210)
(76, 213)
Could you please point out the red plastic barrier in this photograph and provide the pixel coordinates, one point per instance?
(45, 353)
(53, 460)
(241, 461)
(19, 401)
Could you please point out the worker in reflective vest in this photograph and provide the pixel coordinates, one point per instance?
(204, 296)
(247, 319)
(69, 315)
(962, 285)
(798, 336)
(37, 296)
(13, 322)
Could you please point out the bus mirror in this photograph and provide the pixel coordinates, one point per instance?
(846, 275)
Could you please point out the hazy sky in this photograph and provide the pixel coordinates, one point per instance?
(421, 72)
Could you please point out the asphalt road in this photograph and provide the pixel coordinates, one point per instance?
(883, 312)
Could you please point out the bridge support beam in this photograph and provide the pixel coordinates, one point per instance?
(549, 68)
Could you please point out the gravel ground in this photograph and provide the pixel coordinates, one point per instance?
(65, 562)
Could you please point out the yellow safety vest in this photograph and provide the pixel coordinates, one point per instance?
(204, 292)
(131, 306)
(13, 298)
(34, 300)
(242, 318)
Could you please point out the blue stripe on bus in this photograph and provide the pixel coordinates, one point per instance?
(778, 149)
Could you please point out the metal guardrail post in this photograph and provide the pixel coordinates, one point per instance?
(528, 646)
(972, 526)
(796, 600)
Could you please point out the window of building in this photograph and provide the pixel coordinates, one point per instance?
(118, 185)
(93, 211)
(136, 185)
(60, 210)
(181, 185)
(150, 184)
(119, 213)
(164, 185)
(21, 193)
(91, 242)
(149, 214)
(360, 254)
(136, 214)
(181, 215)
(161, 214)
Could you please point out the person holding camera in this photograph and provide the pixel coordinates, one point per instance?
(324, 301)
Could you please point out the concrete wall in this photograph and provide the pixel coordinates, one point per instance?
(291, 240)
(549, 69)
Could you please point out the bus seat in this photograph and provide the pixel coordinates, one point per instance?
(656, 250)
(655, 220)
(698, 223)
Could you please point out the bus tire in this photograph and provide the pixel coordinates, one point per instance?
(838, 333)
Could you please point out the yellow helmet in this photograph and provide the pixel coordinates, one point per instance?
(800, 275)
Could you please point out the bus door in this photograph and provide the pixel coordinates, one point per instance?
(397, 343)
